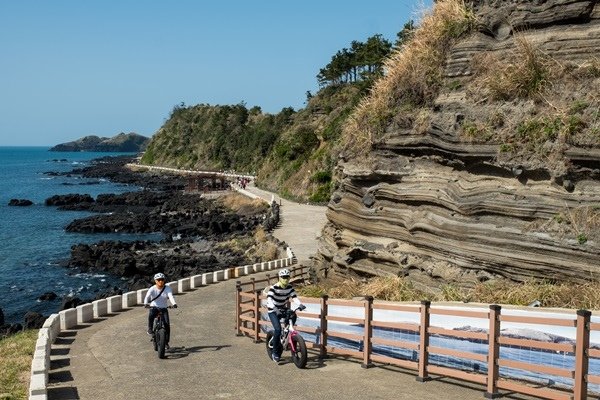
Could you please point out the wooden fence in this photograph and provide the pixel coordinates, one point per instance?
(249, 307)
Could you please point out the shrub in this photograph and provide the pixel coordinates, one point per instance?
(322, 194)
(476, 132)
(321, 177)
(524, 73)
(578, 106)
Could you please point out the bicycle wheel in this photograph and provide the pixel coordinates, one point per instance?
(162, 341)
(299, 356)
(269, 341)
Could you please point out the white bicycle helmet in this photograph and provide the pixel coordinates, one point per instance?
(284, 272)
(160, 275)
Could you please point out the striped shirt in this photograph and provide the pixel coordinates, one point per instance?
(278, 297)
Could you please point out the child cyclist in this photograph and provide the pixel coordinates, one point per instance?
(158, 297)
(277, 303)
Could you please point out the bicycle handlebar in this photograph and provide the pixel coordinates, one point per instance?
(160, 308)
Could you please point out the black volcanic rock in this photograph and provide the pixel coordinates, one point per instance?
(193, 228)
(71, 302)
(69, 199)
(33, 320)
(123, 142)
(48, 296)
(115, 170)
(10, 329)
(20, 202)
(138, 261)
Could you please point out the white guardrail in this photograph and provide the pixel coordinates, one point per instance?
(90, 312)
(190, 171)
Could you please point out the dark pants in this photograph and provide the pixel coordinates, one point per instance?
(277, 350)
(165, 315)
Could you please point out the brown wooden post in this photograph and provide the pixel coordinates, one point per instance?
(424, 342)
(323, 334)
(493, 352)
(268, 279)
(582, 346)
(238, 310)
(257, 316)
(367, 344)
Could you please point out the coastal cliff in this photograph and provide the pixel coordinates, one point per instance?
(477, 156)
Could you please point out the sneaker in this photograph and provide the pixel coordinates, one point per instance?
(167, 346)
(275, 357)
(149, 332)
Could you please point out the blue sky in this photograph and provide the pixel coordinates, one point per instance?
(72, 68)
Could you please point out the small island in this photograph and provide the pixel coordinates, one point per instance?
(123, 142)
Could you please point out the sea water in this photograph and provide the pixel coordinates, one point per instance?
(33, 240)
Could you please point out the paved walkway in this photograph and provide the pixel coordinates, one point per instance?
(114, 358)
(301, 224)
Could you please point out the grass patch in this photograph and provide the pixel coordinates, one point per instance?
(414, 74)
(553, 106)
(257, 248)
(476, 132)
(541, 141)
(562, 295)
(265, 250)
(523, 73)
(15, 364)
(383, 288)
(243, 205)
(581, 224)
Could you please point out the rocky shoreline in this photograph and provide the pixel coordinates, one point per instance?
(193, 229)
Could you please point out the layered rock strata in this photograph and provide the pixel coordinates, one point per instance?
(447, 204)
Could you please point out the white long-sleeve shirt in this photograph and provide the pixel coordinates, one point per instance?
(163, 300)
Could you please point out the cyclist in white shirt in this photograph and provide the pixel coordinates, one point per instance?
(158, 296)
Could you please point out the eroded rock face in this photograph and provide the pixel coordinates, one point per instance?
(501, 17)
(439, 207)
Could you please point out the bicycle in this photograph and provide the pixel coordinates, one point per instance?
(159, 332)
(290, 340)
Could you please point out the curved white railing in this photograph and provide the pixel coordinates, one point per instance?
(90, 312)
(191, 171)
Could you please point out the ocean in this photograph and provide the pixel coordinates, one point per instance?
(33, 240)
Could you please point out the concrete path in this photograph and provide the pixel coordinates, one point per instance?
(301, 224)
(114, 358)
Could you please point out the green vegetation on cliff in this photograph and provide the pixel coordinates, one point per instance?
(292, 152)
(216, 137)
